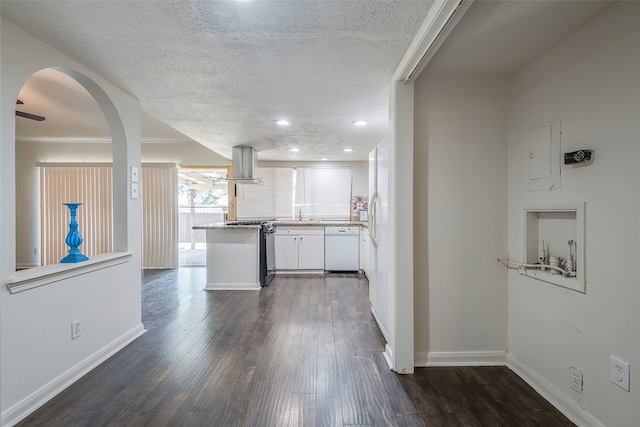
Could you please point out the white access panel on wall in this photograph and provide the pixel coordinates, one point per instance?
(542, 171)
(539, 162)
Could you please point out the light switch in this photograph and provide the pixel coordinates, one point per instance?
(134, 174)
(134, 190)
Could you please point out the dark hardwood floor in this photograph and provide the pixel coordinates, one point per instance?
(303, 352)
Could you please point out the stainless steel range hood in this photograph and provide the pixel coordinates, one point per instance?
(245, 166)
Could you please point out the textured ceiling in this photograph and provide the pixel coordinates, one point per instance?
(221, 72)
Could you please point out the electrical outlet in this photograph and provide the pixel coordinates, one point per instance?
(619, 372)
(75, 329)
(575, 379)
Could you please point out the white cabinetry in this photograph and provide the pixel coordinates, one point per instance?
(364, 251)
(311, 252)
(233, 258)
(286, 252)
(299, 249)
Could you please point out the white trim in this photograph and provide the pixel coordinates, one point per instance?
(420, 358)
(553, 395)
(298, 272)
(388, 356)
(462, 358)
(437, 25)
(32, 278)
(22, 409)
(233, 287)
(399, 243)
(385, 334)
(439, 22)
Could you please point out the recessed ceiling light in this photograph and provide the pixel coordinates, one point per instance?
(294, 149)
(324, 158)
(360, 122)
(347, 150)
(282, 122)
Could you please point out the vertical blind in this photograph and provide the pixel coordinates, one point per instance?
(324, 192)
(89, 185)
(159, 216)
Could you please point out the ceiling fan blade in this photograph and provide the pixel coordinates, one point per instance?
(29, 116)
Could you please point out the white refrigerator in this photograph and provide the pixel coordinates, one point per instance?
(378, 234)
(372, 262)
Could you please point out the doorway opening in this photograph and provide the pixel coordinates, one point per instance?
(203, 198)
(63, 153)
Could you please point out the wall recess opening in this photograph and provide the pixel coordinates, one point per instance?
(553, 235)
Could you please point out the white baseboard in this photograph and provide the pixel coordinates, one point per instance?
(553, 395)
(233, 287)
(380, 325)
(388, 356)
(22, 409)
(299, 272)
(461, 358)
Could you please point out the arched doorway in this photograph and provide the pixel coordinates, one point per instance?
(66, 126)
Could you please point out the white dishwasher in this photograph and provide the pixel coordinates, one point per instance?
(341, 248)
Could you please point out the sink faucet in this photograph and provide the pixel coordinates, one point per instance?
(300, 214)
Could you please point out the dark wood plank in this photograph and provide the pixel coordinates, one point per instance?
(304, 351)
(328, 406)
(478, 396)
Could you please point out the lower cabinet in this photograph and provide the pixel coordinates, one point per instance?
(299, 248)
(364, 251)
(286, 252)
(311, 252)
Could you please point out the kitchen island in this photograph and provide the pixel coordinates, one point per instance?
(234, 251)
(233, 256)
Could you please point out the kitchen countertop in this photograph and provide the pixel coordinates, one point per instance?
(281, 223)
(225, 226)
(306, 222)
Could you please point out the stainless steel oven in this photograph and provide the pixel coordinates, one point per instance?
(267, 253)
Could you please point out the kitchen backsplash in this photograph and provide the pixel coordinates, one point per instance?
(359, 204)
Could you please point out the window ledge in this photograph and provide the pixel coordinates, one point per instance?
(32, 278)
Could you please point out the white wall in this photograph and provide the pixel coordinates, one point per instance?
(37, 355)
(460, 214)
(591, 81)
(28, 222)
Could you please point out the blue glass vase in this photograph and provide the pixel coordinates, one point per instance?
(74, 239)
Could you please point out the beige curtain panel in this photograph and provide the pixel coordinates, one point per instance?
(89, 185)
(159, 216)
